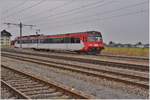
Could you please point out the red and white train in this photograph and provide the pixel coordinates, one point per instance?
(89, 42)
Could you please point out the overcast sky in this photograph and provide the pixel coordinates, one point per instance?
(124, 21)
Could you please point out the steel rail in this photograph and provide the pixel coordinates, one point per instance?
(66, 90)
(103, 55)
(87, 68)
(144, 68)
(146, 86)
(15, 91)
(125, 57)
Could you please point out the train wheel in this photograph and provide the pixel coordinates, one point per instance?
(91, 53)
(79, 52)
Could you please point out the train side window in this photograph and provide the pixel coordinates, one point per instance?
(61, 40)
(22, 41)
(34, 41)
(18, 41)
(77, 40)
(54, 40)
(57, 40)
(27, 41)
(72, 40)
(67, 40)
(46, 41)
(49, 40)
(41, 40)
(30, 41)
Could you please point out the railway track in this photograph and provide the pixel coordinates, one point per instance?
(9, 92)
(27, 86)
(137, 67)
(119, 57)
(126, 57)
(135, 80)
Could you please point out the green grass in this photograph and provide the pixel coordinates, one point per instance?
(144, 52)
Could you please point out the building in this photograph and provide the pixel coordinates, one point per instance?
(146, 45)
(139, 45)
(5, 39)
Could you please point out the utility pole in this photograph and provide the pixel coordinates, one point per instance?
(38, 35)
(20, 27)
(37, 31)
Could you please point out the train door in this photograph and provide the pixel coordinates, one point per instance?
(37, 43)
(67, 41)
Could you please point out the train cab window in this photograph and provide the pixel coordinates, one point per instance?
(94, 38)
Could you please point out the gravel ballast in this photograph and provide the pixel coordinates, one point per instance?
(81, 56)
(99, 88)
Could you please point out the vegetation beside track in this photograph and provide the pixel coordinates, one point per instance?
(144, 52)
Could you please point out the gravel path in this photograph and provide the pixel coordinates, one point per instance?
(97, 87)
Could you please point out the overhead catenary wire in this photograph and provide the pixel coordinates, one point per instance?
(99, 19)
(71, 10)
(51, 9)
(25, 9)
(16, 6)
(96, 14)
(61, 16)
(64, 14)
(20, 25)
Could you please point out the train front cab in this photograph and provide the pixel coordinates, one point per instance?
(94, 43)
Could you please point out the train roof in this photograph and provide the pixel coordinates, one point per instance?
(87, 32)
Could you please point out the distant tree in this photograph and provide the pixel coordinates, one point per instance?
(105, 44)
(139, 43)
(111, 42)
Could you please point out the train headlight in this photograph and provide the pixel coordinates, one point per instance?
(95, 45)
(90, 45)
